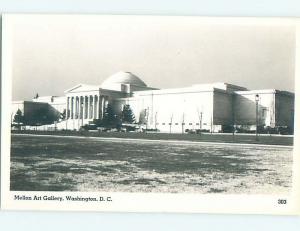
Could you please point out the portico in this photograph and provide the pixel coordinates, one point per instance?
(84, 103)
(86, 106)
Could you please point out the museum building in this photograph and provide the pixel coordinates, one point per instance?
(210, 107)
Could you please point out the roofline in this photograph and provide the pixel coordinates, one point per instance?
(48, 96)
(70, 89)
(264, 91)
(106, 81)
(78, 85)
(181, 90)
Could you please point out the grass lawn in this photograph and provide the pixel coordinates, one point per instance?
(48, 163)
(227, 138)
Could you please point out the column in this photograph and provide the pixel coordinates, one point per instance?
(88, 107)
(106, 101)
(72, 107)
(76, 107)
(83, 107)
(67, 109)
(92, 106)
(78, 111)
(103, 105)
(95, 107)
(99, 107)
(83, 110)
(80, 107)
(73, 112)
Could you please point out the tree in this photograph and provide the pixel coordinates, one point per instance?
(19, 118)
(109, 117)
(38, 117)
(109, 120)
(52, 117)
(43, 116)
(127, 115)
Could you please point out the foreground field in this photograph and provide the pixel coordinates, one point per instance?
(48, 163)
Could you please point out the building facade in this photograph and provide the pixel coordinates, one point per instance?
(212, 107)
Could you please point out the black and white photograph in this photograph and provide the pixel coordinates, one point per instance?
(148, 105)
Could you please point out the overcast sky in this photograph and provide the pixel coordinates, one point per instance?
(54, 53)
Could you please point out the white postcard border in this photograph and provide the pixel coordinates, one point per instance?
(145, 202)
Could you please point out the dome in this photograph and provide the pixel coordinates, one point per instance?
(123, 78)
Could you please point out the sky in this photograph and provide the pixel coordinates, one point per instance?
(52, 53)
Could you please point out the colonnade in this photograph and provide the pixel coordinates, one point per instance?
(86, 106)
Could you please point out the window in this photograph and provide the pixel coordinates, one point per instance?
(163, 124)
(176, 123)
(170, 123)
(197, 124)
(190, 123)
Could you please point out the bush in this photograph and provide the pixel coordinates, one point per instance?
(227, 128)
(198, 131)
(87, 127)
(151, 130)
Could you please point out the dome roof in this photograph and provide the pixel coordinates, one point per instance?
(123, 78)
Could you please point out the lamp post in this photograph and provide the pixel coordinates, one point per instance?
(200, 114)
(256, 115)
(171, 121)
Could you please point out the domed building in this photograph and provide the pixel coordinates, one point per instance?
(88, 102)
(125, 82)
(215, 107)
(211, 107)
